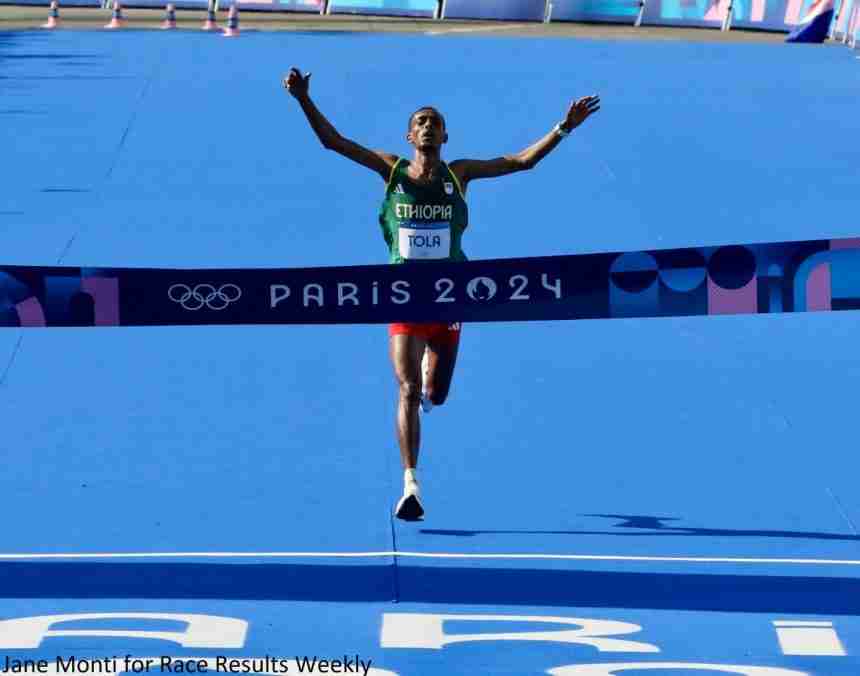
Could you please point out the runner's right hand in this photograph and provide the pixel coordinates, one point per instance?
(296, 83)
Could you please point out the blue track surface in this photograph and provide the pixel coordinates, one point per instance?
(676, 458)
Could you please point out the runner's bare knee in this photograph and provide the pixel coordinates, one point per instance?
(410, 391)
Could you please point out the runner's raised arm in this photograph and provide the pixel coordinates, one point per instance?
(298, 85)
(577, 113)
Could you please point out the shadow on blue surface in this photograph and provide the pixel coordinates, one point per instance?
(64, 78)
(51, 56)
(652, 524)
(443, 585)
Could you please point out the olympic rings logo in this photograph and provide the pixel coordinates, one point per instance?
(204, 295)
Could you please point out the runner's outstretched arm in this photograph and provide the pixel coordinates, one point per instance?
(298, 85)
(577, 113)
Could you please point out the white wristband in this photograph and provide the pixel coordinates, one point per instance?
(559, 131)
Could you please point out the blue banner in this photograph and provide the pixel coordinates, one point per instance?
(778, 15)
(309, 6)
(419, 8)
(807, 276)
(511, 10)
(46, 3)
(609, 11)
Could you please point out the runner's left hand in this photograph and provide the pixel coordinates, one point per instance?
(580, 110)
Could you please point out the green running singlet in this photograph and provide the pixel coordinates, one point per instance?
(423, 222)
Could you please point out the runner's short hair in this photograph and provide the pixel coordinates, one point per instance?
(423, 108)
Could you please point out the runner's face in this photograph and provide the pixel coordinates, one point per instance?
(427, 130)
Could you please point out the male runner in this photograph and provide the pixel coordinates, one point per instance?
(424, 355)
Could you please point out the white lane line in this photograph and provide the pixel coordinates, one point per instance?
(425, 555)
(479, 29)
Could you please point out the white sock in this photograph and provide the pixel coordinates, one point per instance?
(410, 475)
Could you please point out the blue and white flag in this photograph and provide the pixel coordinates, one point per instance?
(815, 25)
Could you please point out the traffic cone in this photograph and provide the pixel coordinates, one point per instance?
(117, 20)
(210, 23)
(232, 29)
(169, 18)
(53, 16)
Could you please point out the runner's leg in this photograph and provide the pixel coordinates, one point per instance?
(441, 356)
(406, 351)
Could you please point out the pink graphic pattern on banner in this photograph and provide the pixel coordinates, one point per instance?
(105, 293)
(792, 12)
(843, 15)
(854, 21)
(818, 289)
(717, 11)
(851, 243)
(732, 301)
(778, 15)
(30, 313)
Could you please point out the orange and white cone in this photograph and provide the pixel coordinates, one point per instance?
(210, 24)
(117, 20)
(53, 16)
(232, 29)
(169, 17)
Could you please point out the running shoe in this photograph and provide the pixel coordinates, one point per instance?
(409, 507)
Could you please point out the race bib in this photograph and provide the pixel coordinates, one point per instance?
(425, 241)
